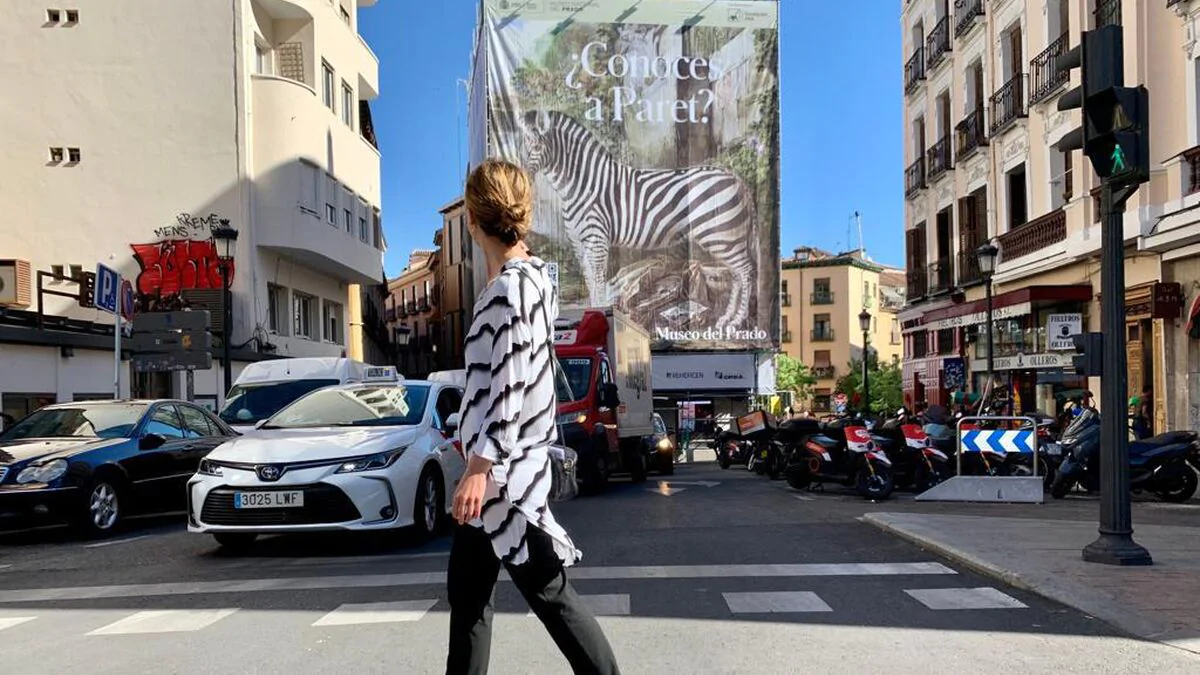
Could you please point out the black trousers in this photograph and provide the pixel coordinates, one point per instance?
(474, 569)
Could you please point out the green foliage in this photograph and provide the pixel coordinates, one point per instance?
(887, 390)
(794, 376)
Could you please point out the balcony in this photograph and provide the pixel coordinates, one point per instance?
(822, 335)
(968, 268)
(970, 134)
(937, 45)
(785, 299)
(1008, 104)
(918, 282)
(914, 70)
(821, 298)
(824, 372)
(786, 336)
(940, 157)
(1034, 236)
(868, 301)
(1044, 68)
(1191, 160)
(968, 12)
(1108, 13)
(941, 276)
(914, 178)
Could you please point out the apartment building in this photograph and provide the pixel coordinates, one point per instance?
(823, 295)
(414, 315)
(456, 280)
(142, 128)
(981, 124)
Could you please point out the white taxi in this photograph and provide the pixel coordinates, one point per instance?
(358, 457)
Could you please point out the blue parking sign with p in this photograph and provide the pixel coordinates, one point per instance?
(108, 288)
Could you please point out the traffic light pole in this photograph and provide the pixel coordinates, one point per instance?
(1115, 545)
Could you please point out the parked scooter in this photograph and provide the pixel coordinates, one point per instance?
(1159, 465)
(844, 454)
(916, 463)
(731, 449)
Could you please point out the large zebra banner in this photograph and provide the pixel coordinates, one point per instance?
(652, 130)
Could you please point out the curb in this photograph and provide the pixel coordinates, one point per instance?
(1133, 625)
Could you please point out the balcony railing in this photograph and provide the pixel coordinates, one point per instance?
(968, 268)
(786, 336)
(966, 14)
(1034, 236)
(941, 157)
(1008, 104)
(1108, 13)
(941, 276)
(821, 298)
(914, 177)
(824, 372)
(938, 43)
(1044, 69)
(971, 134)
(822, 335)
(1191, 160)
(918, 282)
(891, 303)
(914, 70)
(785, 299)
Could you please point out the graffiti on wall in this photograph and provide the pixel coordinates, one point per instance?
(183, 256)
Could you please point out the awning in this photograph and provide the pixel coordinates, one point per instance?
(1005, 306)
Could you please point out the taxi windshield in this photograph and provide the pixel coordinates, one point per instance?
(361, 406)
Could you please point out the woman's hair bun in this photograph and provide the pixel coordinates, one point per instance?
(499, 196)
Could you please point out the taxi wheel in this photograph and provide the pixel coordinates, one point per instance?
(430, 507)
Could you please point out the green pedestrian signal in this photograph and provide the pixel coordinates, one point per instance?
(1118, 160)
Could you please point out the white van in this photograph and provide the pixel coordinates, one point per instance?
(264, 388)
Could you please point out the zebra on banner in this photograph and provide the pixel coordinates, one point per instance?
(607, 203)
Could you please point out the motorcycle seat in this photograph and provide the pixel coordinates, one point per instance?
(824, 441)
(1169, 438)
(1139, 453)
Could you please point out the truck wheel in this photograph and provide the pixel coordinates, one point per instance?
(596, 466)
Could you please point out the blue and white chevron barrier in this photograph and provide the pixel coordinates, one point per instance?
(998, 441)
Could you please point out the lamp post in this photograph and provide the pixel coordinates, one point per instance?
(228, 236)
(864, 322)
(403, 338)
(987, 267)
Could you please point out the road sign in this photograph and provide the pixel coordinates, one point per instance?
(126, 300)
(154, 322)
(174, 361)
(1001, 442)
(173, 341)
(108, 288)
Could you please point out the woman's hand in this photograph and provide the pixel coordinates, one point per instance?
(468, 498)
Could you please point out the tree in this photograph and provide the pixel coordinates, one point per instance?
(792, 375)
(887, 391)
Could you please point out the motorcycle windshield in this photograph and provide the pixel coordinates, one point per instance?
(1086, 420)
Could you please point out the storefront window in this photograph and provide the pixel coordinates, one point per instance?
(1012, 337)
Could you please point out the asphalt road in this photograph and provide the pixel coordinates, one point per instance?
(712, 572)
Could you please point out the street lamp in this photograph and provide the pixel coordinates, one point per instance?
(228, 235)
(987, 267)
(864, 322)
(403, 338)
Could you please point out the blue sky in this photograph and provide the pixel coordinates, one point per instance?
(842, 121)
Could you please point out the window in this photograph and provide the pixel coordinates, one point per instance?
(345, 14)
(196, 423)
(76, 273)
(349, 203)
(331, 193)
(822, 293)
(1018, 212)
(362, 224)
(426, 289)
(53, 15)
(72, 16)
(56, 155)
(822, 358)
(74, 155)
(331, 320)
(165, 422)
(310, 187)
(363, 234)
(303, 307)
(448, 402)
(262, 60)
(57, 271)
(327, 84)
(276, 306)
(20, 405)
(349, 220)
(347, 105)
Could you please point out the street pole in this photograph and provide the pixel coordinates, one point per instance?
(991, 358)
(1115, 545)
(866, 375)
(227, 322)
(117, 345)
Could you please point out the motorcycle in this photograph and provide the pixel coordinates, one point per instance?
(916, 463)
(845, 454)
(1159, 464)
(731, 449)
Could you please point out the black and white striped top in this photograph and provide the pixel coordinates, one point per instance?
(509, 413)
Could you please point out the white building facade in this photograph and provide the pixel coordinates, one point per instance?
(145, 126)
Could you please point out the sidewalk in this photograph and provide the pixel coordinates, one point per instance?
(1159, 603)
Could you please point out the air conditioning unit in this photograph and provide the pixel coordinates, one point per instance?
(16, 284)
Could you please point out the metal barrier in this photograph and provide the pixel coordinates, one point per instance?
(1015, 489)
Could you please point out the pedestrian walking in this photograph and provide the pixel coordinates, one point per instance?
(508, 421)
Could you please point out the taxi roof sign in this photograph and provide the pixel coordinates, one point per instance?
(381, 374)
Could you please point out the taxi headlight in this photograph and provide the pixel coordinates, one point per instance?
(374, 462)
(43, 473)
(210, 468)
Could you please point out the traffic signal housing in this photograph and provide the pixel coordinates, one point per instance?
(1089, 354)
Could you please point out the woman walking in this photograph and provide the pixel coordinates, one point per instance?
(508, 421)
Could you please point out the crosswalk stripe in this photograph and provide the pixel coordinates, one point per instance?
(377, 612)
(164, 621)
(616, 604)
(775, 602)
(965, 598)
(10, 621)
(293, 584)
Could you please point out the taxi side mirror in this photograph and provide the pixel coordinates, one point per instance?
(453, 422)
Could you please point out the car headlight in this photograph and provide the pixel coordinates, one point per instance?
(43, 473)
(572, 418)
(374, 462)
(210, 468)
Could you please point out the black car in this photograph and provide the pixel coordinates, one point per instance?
(93, 463)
